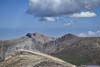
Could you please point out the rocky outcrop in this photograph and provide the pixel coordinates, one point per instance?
(26, 58)
(40, 37)
(32, 41)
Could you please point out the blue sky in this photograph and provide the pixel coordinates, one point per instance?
(16, 22)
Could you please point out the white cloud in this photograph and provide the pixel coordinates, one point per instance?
(49, 19)
(67, 24)
(48, 8)
(90, 34)
(83, 14)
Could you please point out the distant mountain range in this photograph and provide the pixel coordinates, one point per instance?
(71, 48)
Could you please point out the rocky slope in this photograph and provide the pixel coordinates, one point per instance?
(78, 50)
(26, 58)
(71, 48)
(32, 41)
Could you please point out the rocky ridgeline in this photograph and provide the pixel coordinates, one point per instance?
(26, 58)
(32, 41)
(71, 48)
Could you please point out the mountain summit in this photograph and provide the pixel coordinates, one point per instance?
(68, 36)
(40, 37)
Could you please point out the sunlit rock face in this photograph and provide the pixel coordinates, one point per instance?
(26, 58)
(32, 41)
(40, 37)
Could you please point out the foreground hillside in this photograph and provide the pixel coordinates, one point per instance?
(26, 58)
(71, 48)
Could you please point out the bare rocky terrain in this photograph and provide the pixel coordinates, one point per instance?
(31, 42)
(26, 58)
(79, 50)
(71, 48)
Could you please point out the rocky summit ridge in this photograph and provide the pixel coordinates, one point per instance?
(74, 49)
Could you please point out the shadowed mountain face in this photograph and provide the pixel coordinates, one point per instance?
(78, 50)
(71, 48)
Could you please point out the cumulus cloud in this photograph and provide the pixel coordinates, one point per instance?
(51, 8)
(83, 14)
(90, 34)
(50, 19)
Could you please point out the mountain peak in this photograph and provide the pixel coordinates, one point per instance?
(31, 35)
(40, 37)
(69, 35)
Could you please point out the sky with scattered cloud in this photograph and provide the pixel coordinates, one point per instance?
(50, 17)
(48, 8)
(90, 34)
(83, 14)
